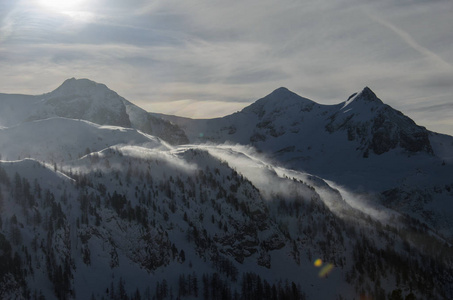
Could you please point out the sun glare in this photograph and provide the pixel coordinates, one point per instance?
(61, 5)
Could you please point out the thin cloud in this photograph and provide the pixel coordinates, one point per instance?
(407, 38)
(195, 109)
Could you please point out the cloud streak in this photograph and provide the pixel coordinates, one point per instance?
(407, 38)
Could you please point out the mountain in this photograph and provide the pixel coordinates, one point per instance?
(131, 221)
(283, 123)
(360, 144)
(86, 100)
(289, 199)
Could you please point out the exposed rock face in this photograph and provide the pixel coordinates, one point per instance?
(395, 129)
(378, 127)
(283, 122)
(165, 130)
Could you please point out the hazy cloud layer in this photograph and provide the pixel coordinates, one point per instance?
(218, 56)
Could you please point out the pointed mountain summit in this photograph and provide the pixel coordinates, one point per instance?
(280, 95)
(368, 95)
(299, 131)
(365, 97)
(379, 127)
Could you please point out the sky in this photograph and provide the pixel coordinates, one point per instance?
(210, 58)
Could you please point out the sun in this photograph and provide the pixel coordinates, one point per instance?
(75, 10)
(61, 5)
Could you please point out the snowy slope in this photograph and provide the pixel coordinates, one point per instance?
(301, 132)
(356, 143)
(109, 212)
(56, 140)
(128, 219)
(16, 108)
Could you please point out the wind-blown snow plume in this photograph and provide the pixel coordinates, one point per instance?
(273, 180)
(167, 156)
(364, 203)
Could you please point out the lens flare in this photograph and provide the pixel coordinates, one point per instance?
(318, 263)
(325, 270)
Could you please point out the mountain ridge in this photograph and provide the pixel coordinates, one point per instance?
(82, 86)
(277, 201)
(364, 117)
(361, 144)
(87, 100)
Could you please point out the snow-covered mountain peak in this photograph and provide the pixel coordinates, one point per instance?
(364, 98)
(75, 99)
(282, 96)
(82, 86)
(368, 98)
(280, 99)
(84, 99)
(87, 100)
(368, 95)
(281, 92)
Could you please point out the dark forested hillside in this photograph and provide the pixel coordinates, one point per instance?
(130, 224)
